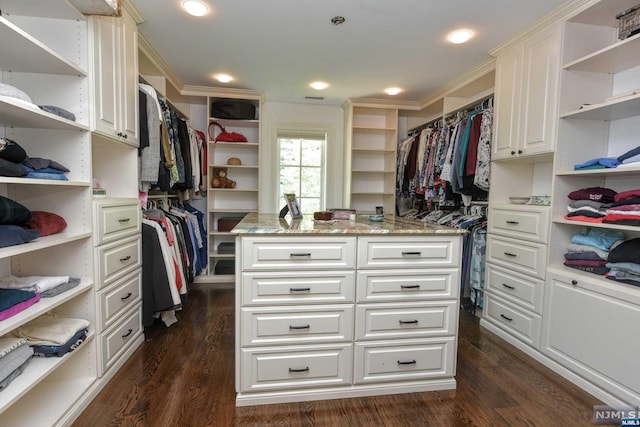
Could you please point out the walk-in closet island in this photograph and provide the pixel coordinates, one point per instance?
(332, 309)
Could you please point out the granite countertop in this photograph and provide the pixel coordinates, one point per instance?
(256, 223)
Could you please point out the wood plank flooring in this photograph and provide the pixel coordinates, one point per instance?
(184, 376)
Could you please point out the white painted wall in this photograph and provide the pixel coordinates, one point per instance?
(279, 114)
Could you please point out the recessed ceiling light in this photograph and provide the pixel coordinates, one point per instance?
(223, 78)
(392, 90)
(460, 36)
(319, 85)
(195, 7)
(338, 20)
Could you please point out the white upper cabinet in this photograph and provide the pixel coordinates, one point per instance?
(526, 97)
(115, 70)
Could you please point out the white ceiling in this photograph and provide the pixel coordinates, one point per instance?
(277, 47)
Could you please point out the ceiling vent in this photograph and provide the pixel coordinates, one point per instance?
(318, 98)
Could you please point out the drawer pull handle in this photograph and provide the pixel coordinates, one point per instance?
(411, 253)
(408, 322)
(410, 362)
(125, 259)
(300, 255)
(508, 286)
(506, 318)
(293, 370)
(510, 254)
(129, 332)
(299, 289)
(409, 286)
(122, 220)
(127, 297)
(295, 328)
(513, 222)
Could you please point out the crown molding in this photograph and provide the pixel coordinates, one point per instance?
(193, 90)
(149, 51)
(133, 11)
(459, 82)
(562, 13)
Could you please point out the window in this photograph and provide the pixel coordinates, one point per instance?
(302, 168)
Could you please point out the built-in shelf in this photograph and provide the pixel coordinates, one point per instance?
(216, 254)
(51, 182)
(374, 150)
(43, 306)
(235, 123)
(56, 9)
(237, 144)
(234, 167)
(42, 243)
(20, 52)
(243, 211)
(611, 59)
(372, 130)
(599, 225)
(620, 108)
(17, 113)
(35, 372)
(619, 171)
(237, 190)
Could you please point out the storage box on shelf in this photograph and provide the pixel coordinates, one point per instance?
(599, 117)
(228, 203)
(370, 156)
(52, 71)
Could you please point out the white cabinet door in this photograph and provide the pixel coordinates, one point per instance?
(129, 86)
(115, 70)
(508, 95)
(592, 329)
(526, 97)
(541, 75)
(105, 74)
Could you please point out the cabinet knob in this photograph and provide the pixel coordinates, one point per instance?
(574, 282)
(513, 153)
(519, 151)
(120, 134)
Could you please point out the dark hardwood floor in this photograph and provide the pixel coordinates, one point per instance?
(184, 376)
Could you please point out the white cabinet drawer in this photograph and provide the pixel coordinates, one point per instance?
(115, 219)
(299, 287)
(404, 360)
(401, 320)
(418, 252)
(116, 259)
(118, 298)
(297, 325)
(525, 257)
(528, 223)
(407, 285)
(298, 253)
(115, 341)
(296, 367)
(519, 289)
(523, 325)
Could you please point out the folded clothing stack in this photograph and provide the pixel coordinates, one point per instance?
(47, 286)
(13, 301)
(589, 250)
(15, 355)
(53, 336)
(624, 262)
